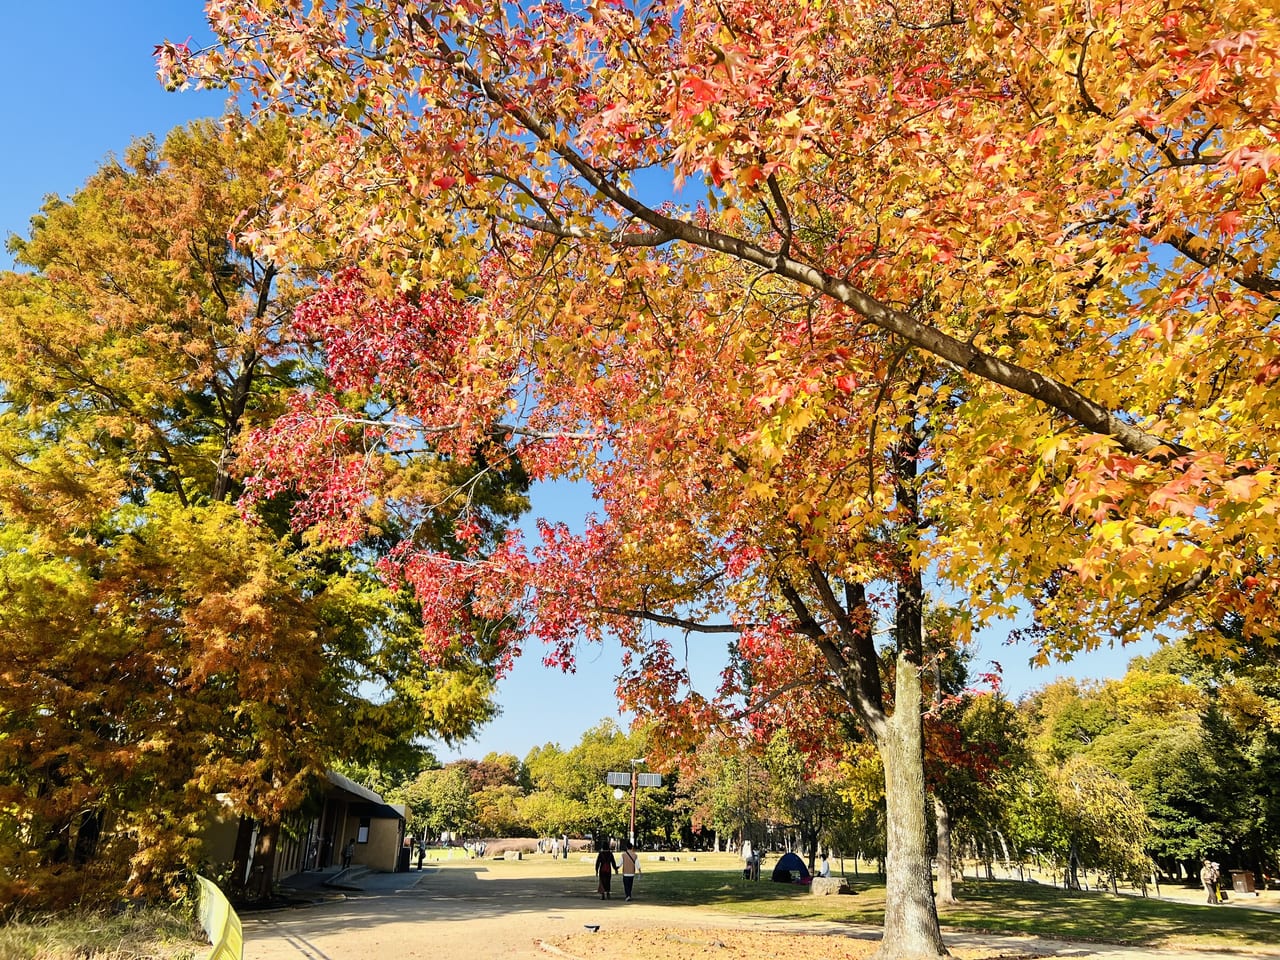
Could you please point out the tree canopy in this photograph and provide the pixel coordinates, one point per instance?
(974, 289)
(159, 650)
(1069, 205)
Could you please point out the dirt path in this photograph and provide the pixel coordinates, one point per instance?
(473, 909)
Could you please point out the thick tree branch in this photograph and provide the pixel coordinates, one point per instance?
(1091, 415)
(861, 688)
(565, 231)
(1201, 251)
(862, 643)
(693, 626)
(1171, 595)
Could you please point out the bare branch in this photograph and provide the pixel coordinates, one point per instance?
(951, 20)
(618, 237)
(693, 626)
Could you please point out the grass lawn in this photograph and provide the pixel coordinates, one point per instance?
(992, 906)
(1049, 911)
(144, 934)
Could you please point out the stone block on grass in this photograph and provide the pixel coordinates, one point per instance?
(829, 886)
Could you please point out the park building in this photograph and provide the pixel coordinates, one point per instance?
(315, 837)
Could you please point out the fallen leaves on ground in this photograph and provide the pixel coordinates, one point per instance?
(661, 943)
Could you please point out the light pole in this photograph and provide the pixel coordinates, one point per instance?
(632, 836)
(624, 778)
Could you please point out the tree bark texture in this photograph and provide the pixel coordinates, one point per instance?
(911, 928)
(264, 861)
(942, 817)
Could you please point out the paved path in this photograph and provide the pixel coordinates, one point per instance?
(476, 909)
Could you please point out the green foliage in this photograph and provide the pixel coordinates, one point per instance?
(807, 793)
(552, 792)
(1197, 744)
(549, 813)
(440, 801)
(1106, 825)
(579, 775)
(726, 789)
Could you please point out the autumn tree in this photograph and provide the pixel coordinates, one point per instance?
(976, 753)
(497, 784)
(159, 650)
(1068, 207)
(1243, 730)
(865, 833)
(1106, 826)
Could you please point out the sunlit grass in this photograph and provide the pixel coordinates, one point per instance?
(144, 934)
(992, 906)
(1048, 911)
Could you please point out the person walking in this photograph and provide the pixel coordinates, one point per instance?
(630, 869)
(348, 853)
(1209, 879)
(606, 867)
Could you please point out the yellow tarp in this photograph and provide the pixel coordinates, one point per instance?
(220, 922)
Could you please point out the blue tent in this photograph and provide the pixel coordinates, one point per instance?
(790, 869)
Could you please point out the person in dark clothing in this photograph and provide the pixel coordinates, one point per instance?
(606, 866)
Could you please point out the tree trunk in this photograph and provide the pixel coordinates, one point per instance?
(87, 836)
(1004, 853)
(241, 855)
(264, 861)
(910, 918)
(946, 891)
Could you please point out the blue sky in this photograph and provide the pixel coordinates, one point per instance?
(80, 84)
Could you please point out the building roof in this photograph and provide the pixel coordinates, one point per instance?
(350, 786)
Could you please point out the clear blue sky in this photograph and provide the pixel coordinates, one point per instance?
(80, 84)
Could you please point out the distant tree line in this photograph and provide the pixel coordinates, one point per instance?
(1133, 780)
